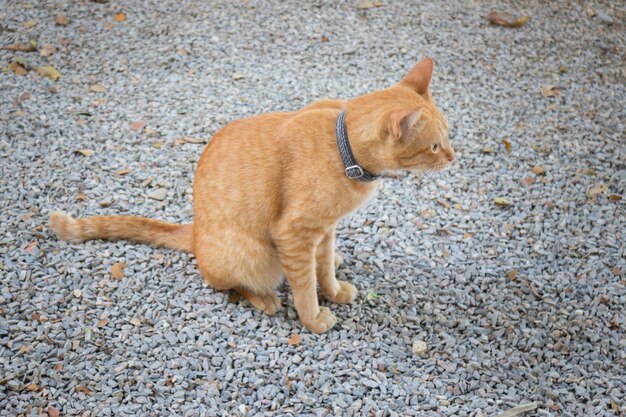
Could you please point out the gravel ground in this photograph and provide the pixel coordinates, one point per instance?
(515, 303)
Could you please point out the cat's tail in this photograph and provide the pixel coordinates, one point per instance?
(134, 229)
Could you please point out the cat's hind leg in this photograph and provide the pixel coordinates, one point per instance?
(269, 303)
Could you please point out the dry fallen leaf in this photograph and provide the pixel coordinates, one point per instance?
(590, 12)
(61, 20)
(366, 4)
(295, 339)
(549, 90)
(189, 139)
(137, 125)
(238, 76)
(32, 387)
(501, 201)
(85, 152)
(20, 47)
(119, 17)
(32, 245)
(18, 67)
(53, 412)
(135, 322)
(123, 171)
(47, 50)
(75, 344)
(26, 349)
(506, 19)
(538, 170)
(102, 323)
(48, 71)
(615, 197)
(597, 189)
(443, 203)
(507, 145)
(528, 180)
(182, 51)
(29, 24)
(324, 38)
(84, 390)
(117, 270)
(512, 274)
(97, 88)
(487, 150)
(467, 235)
(616, 270)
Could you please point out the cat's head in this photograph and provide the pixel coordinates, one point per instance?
(411, 133)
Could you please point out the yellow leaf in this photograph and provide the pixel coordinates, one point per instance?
(507, 145)
(117, 270)
(48, 71)
(501, 201)
(85, 152)
(295, 339)
(120, 17)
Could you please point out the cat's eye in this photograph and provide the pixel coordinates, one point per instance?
(435, 147)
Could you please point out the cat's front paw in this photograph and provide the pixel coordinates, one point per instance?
(324, 321)
(346, 293)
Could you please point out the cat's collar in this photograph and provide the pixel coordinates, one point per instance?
(352, 170)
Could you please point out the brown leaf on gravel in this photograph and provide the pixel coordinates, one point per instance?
(137, 125)
(367, 4)
(507, 145)
(20, 47)
(182, 51)
(97, 88)
(549, 90)
(443, 203)
(512, 274)
(487, 150)
(47, 50)
(53, 412)
(48, 71)
(29, 24)
(117, 270)
(295, 339)
(85, 152)
(18, 67)
(31, 246)
(597, 189)
(102, 323)
(61, 20)
(467, 235)
(119, 17)
(615, 197)
(616, 271)
(538, 170)
(189, 139)
(84, 390)
(506, 19)
(123, 171)
(324, 39)
(32, 387)
(26, 349)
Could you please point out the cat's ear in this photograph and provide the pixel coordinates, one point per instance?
(401, 121)
(419, 77)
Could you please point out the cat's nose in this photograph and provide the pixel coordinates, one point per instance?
(450, 154)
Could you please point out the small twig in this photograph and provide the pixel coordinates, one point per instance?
(515, 411)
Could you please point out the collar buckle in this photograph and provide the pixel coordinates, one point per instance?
(354, 176)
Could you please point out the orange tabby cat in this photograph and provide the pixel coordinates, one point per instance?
(269, 191)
